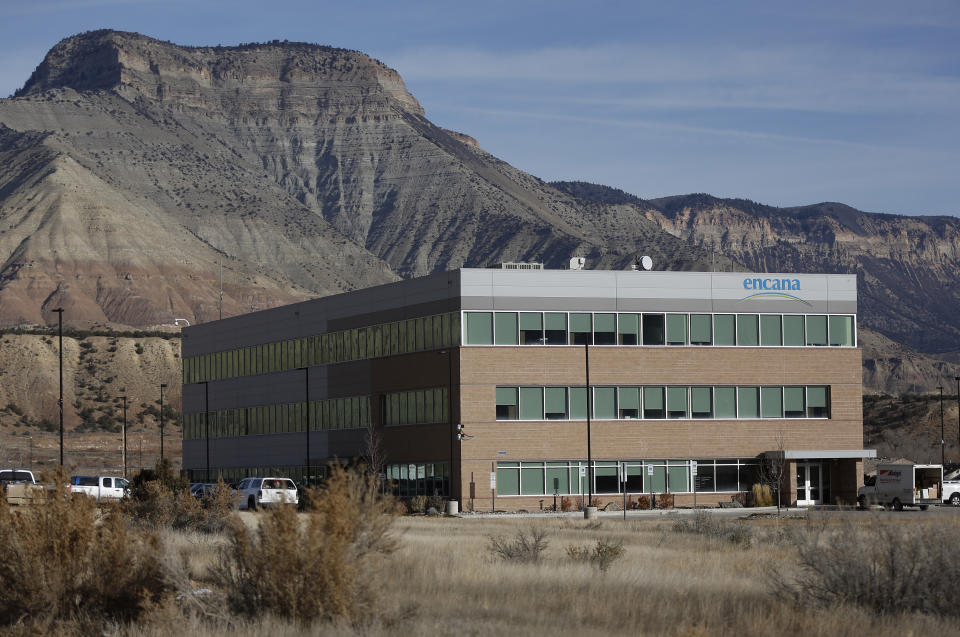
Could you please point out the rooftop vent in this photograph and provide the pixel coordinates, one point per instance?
(521, 266)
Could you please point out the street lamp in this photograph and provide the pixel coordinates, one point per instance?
(162, 387)
(942, 454)
(957, 378)
(124, 436)
(306, 392)
(586, 354)
(59, 312)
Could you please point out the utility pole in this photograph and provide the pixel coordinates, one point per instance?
(942, 441)
(59, 312)
(162, 387)
(124, 436)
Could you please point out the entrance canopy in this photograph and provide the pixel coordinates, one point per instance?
(822, 454)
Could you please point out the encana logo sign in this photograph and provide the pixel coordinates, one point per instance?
(772, 288)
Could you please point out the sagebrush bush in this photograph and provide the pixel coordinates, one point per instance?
(325, 568)
(887, 567)
(526, 546)
(417, 504)
(61, 565)
(664, 500)
(155, 505)
(603, 554)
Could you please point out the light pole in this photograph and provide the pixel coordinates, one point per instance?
(957, 378)
(162, 387)
(942, 442)
(306, 392)
(59, 312)
(206, 424)
(586, 354)
(124, 436)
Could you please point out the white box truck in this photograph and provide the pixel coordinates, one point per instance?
(900, 485)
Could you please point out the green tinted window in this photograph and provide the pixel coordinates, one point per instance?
(531, 403)
(816, 330)
(793, 331)
(578, 403)
(628, 326)
(653, 402)
(770, 330)
(506, 328)
(771, 402)
(508, 478)
(748, 402)
(701, 332)
(676, 329)
(748, 330)
(555, 403)
(676, 402)
(701, 399)
(724, 329)
(794, 405)
(531, 480)
(479, 328)
(841, 331)
(605, 403)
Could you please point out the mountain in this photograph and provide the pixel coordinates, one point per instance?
(134, 167)
(906, 266)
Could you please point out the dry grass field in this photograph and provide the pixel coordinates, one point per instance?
(444, 580)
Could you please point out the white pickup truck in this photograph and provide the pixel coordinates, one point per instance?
(19, 486)
(951, 491)
(900, 485)
(100, 488)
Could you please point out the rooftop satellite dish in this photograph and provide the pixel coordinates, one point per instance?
(646, 262)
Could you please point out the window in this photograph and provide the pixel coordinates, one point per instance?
(578, 403)
(508, 478)
(605, 403)
(678, 474)
(700, 329)
(653, 402)
(701, 399)
(635, 473)
(676, 402)
(841, 331)
(605, 478)
(558, 478)
(531, 403)
(657, 483)
(505, 328)
(748, 330)
(794, 403)
(580, 329)
(653, 329)
(676, 329)
(555, 403)
(704, 480)
(629, 329)
(816, 330)
(556, 328)
(793, 331)
(629, 402)
(817, 402)
(770, 335)
(771, 402)
(531, 328)
(531, 479)
(726, 477)
(604, 329)
(479, 328)
(748, 402)
(724, 329)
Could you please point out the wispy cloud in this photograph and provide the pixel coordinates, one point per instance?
(816, 78)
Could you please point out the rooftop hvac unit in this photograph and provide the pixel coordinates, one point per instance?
(521, 266)
(577, 263)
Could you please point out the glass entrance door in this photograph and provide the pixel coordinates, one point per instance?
(809, 483)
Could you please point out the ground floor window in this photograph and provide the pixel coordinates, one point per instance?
(564, 477)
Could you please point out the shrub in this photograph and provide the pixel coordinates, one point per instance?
(324, 569)
(703, 523)
(527, 546)
(643, 502)
(417, 504)
(762, 496)
(603, 555)
(886, 567)
(61, 566)
(566, 504)
(158, 499)
(664, 500)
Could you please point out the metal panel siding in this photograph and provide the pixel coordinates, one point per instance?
(247, 391)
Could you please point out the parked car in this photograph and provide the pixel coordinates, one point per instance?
(100, 488)
(257, 492)
(201, 489)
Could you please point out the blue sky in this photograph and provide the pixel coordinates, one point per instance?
(786, 104)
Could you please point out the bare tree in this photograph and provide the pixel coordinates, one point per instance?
(772, 469)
